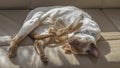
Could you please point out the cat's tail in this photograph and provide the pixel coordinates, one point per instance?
(5, 40)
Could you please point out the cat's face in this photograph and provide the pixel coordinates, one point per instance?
(82, 45)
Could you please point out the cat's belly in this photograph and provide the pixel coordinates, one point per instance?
(41, 30)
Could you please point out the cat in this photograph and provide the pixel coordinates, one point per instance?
(66, 24)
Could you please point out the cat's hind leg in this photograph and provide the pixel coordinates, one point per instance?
(27, 27)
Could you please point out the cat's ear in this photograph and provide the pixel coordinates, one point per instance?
(93, 50)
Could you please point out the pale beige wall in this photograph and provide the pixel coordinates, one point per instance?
(79, 3)
(110, 4)
(14, 4)
(31, 4)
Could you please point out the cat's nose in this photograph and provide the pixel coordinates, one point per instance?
(74, 42)
(71, 42)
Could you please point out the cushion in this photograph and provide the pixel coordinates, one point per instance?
(108, 46)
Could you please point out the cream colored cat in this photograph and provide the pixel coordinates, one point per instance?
(60, 25)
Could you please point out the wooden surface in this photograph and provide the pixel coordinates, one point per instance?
(110, 36)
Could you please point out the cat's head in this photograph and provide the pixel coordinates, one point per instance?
(83, 45)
